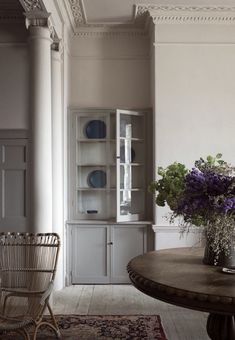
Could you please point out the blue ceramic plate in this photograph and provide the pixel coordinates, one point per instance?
(95, 129)
(122, 154)
(97, 179)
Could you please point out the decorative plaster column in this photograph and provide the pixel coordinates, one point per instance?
(57, 154)
(40, 123)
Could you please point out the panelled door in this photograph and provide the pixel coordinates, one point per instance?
(13, 185)
(90, 254)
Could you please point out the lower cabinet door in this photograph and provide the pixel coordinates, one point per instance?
(128, 241)
(90, 254)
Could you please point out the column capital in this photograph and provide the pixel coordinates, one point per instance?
(39, 19)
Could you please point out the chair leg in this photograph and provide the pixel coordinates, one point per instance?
(56, 330)
(53, 319)
(52, 325)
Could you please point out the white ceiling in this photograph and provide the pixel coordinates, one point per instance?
(114, 11)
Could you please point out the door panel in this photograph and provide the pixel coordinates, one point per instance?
(90, 254)
(128, 242)
(13, 185)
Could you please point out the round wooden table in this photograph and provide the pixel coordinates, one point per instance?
(179, 277)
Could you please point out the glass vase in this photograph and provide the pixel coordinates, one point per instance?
(226, 261)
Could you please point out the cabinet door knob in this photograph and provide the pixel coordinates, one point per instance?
(110, 243)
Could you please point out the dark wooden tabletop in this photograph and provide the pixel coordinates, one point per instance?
(179, 277)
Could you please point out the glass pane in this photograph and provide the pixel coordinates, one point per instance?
(132, 202)
(125, 202)
(131, 149)
(95, 164)
(131, 126)
(131, 177)
(126, 176)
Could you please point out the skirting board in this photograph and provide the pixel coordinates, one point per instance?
(171, 237)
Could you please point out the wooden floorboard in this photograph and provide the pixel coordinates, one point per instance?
(178, 323)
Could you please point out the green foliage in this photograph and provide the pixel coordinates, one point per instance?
(171, 186)
(215, 164)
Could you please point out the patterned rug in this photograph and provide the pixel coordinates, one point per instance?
(88, 327)
(134, 327)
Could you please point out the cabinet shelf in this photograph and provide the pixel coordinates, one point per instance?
(133, 139)
(132, 164)
(132, 189)
(96, 165)
(95, 140)
(95, 189)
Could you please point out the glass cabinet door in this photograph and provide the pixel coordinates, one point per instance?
(95, 165)
(130, 163)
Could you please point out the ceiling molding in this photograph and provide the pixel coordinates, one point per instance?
(82, 27)
(187, 14)
(195, 19)
(78, 12)
(33, 5)
(141, 17)
(142, 9)
(110, 33)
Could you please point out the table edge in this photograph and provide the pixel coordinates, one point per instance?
(180, 297)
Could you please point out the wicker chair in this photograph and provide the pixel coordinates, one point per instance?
(27, 270)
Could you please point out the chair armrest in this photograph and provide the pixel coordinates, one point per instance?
(23, 292)
(44, 294)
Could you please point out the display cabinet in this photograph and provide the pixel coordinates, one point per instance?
(107, 165)
(109, 206)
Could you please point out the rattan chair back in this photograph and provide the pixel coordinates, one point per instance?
(27, 271)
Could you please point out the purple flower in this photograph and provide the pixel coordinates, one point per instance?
(217, 184)
(190, 206)
(228, 205)
(195, 181)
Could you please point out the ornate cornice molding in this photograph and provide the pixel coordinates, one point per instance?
(143, 14)
(110, 33)
(78, 12)
(79, 18)
(187, 14)
(195, 19)
(32, 5)
(142, 9)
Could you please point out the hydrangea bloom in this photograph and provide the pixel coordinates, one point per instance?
(228, 206)
(203, 196)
